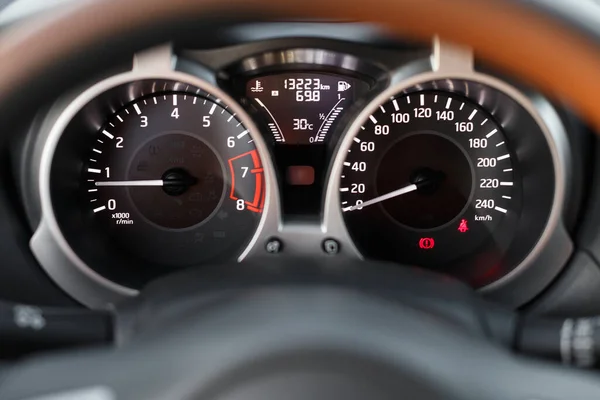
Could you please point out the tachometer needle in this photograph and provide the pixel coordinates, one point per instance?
(390, 195)
(156, 182)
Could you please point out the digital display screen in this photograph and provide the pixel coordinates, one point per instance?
(303, 108)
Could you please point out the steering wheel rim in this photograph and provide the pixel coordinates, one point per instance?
(248, 339)
(512, 35)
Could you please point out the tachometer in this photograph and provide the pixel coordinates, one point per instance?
(174, 178)
(429, 180)
(152, 175)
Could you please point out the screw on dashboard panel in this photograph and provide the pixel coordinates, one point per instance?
(331, 246)
(274, 246)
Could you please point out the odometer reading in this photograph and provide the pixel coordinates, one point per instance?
(428, 180)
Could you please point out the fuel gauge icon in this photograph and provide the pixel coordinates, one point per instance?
(343, 86)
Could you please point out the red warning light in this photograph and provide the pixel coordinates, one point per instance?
(462, 227)
(427, 243)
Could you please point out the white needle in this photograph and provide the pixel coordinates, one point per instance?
(390, 195)
(156, 182)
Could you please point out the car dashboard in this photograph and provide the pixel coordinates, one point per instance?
(323, 139)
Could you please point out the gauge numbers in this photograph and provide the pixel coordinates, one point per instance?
(428, 179)
(176, 177)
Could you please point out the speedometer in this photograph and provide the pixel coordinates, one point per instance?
(430, 179)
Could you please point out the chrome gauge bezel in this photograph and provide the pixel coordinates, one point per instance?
(308, 57)
(48, 243)
(449, 62)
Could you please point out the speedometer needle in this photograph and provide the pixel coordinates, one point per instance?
(155, 182)
(390, 195)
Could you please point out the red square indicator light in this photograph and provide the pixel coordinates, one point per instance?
(300, 175)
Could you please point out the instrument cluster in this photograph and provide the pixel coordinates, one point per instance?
(181, 161)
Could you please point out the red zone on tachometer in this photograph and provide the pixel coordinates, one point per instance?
(250, 161)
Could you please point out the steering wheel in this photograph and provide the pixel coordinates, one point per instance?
(349, 330)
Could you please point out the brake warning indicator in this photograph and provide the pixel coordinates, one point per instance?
(426, 243)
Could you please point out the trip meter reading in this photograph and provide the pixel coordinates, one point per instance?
(303, 108)
(430, 180)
